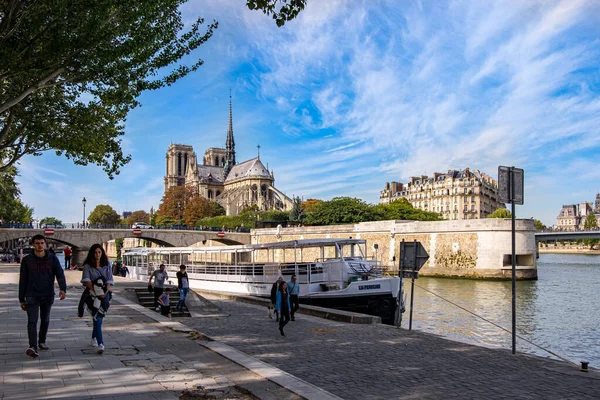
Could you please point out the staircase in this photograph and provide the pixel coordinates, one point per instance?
(146, 299)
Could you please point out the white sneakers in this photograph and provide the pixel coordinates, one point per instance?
(100, 349)
(94, 342)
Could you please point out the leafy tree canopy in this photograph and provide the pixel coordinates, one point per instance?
(72, 70)
(275, 215)
(590, 221)
(197, 208)
(138, 216)
(104, 214)
(500, 213)
(50, 220)
(539, 225)
(339, 210)
(165, 220)
(297, 213)
(401, 209)
(11, 208)
(175, 200)
(310, 204)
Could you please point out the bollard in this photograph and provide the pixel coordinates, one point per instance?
(584, 366)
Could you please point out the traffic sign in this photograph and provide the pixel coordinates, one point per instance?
(413, 256)
(221, 234)
(49, 231)
(506, 175)
(137, 231)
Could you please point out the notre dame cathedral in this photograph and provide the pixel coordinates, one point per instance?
(219, 178)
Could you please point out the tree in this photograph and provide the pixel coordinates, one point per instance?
(50, 220)
(311, 204)
(275, 215)
(11, 207)
(138, 216)
(590, 221)
(197, 208)
(500, 213)
(119, 247)
(339, 210)
(297, 213)
(288, 10)
(165, 220)
(175, 200)
(104, 214)
(539, 225)
(401, 209)
(216, 209)
(72, 70)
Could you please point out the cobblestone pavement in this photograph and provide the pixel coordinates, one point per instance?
(143, 358)
(382, 362)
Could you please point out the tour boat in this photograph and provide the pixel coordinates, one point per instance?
(332, 272)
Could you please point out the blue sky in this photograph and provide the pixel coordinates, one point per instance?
(354, 94)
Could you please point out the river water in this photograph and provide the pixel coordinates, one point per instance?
(559, 312)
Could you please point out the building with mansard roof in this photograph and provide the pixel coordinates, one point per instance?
(220, 178)
(465, 194)
(572, 216)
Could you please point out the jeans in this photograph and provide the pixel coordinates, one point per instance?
(97, 328)
(284, 318)
(67, 262)
(157, 292)
(294, 304)
(38, 306)
(183, 292)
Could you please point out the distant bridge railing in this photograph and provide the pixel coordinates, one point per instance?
(18, 225)
(567, 235)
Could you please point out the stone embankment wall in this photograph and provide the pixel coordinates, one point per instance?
(466, 248)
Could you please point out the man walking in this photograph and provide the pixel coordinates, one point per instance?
(67, 252)
(294, 291)
(36, 291)
(160, 276)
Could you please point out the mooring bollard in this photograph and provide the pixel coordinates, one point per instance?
(584, 366)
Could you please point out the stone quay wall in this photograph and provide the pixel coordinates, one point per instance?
(465, 248)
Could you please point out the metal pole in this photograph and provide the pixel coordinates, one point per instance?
(514, 263)
(400, 291)
(412, 285)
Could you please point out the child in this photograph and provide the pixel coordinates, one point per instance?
(164, 300)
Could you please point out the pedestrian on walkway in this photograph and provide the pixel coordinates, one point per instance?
(160, 276)
(36, 291)
(165, 303)
(124, 270)
(274, 289)
(115, 268)
(183, 284)
(98, 278)
(294, 289)
(283, 306)
(67, 252)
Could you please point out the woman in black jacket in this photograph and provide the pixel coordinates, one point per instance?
(274, 289)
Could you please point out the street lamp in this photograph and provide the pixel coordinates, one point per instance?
(83, 202)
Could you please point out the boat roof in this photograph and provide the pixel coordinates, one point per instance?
(289, 244)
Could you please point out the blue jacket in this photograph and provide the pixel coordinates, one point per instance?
(278, 301)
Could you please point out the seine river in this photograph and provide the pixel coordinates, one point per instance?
(559, 311)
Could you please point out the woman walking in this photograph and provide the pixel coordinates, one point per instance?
(283, 306)
(183, 284)
(98, 278)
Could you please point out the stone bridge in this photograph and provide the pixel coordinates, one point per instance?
(82, 239)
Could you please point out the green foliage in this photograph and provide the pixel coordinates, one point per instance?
(118, 247)
(539, 225)
(11, 208)
(401, 209)
(339, 210)
(247, 220)
(164, 220)
(591, 242)
(104, 214)
(297, 213)
(50, 220)
(288, 9)
(216, 209)
(274, 215)
(590, 221)
(138, 216)
(500, 213)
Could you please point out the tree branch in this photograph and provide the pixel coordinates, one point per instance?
(41, 83)
(7, 123)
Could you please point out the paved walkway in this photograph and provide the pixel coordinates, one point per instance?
(147, 356)
(382, 362)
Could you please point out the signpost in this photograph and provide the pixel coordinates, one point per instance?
(221, 234)
(511, 190)
(412, 258)
(137, 231)
(48, 231)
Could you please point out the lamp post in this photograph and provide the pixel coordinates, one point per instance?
(83, 202)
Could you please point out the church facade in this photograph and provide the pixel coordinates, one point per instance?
(220, 178)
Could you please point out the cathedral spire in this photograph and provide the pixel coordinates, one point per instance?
(230, 143)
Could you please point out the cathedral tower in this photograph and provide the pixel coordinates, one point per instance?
(229, 144)
(179, 157)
